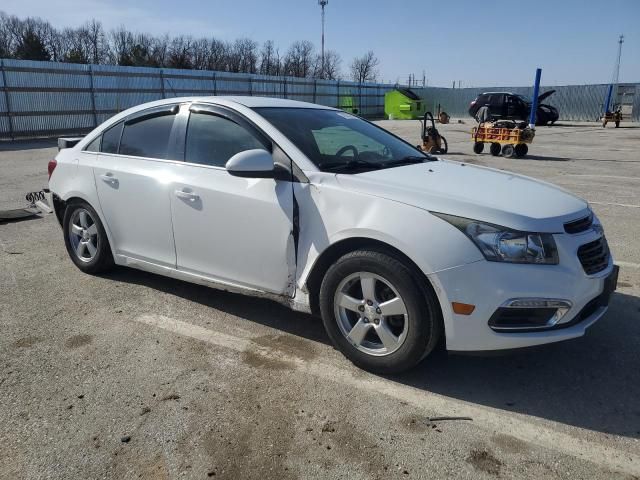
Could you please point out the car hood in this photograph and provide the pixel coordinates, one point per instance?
(546, 95)
(481, 193)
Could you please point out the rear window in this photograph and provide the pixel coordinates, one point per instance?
(148, 137)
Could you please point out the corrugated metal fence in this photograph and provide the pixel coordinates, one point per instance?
(48, 98)
(574, 102)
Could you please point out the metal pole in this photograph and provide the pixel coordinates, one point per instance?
(6, 99)
(162, 83)
(93, 97)
(315, 89)
(608, 99)
(338, 93)
(616, 73)
(534, 100)
(215, 84)
(323, 3)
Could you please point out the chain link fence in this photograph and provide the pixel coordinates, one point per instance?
(574, 102)
(49, 98)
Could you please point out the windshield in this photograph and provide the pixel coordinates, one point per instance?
(339, 142)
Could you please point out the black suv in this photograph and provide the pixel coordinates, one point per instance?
(506, 105)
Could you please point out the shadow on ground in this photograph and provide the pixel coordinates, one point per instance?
(591, 382)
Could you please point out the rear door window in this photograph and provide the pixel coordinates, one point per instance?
(147, 137)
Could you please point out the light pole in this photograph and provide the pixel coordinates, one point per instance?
(322, 3)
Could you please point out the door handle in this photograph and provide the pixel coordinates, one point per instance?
(192, 197)
(109, 178)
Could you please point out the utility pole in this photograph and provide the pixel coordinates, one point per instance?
(322, 3)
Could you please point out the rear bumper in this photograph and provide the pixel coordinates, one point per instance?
(489, 285)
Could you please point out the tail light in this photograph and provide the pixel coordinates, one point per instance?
(51, 167)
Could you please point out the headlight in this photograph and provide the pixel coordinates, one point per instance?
(501, 244)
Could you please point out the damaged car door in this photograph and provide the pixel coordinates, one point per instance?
(233, 229)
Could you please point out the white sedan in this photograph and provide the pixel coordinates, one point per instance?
(398, 251)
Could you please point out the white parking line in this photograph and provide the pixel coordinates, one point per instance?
(508, 423)
(627, 264)
(614, 204)
(598, 176)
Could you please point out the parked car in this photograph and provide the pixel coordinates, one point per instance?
(511, 106)
(395, 249)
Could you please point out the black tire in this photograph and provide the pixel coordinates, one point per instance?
(102, 259)
(495, 149)
(508, 151)
(444, 147)
(423, 321)
(521, 150)
(478, 147)
(617, 123)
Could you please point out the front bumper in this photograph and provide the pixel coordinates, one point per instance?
(489, 285)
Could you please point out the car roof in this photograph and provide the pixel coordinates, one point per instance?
(491, 93)
(247, 101)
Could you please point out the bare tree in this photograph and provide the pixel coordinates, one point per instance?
(269, 59)
(243, 56)
(94, 40)
(180, 53)
(332, 65)
(299, 60)
(364, 69)
(121, 46)
(37, 39)
(218, 55)
(200, 54)
(159, 46)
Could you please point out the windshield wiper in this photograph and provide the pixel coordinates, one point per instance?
(409, 160)
(351, 165)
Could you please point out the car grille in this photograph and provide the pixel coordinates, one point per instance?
(580, 225)
(594, 256)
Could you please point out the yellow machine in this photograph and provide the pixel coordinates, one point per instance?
(504, 136)
(432, 141)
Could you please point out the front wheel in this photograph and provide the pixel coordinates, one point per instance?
(377, 314)
(444, 147)
(86, 239)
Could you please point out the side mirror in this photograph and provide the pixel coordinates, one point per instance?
(251, 164)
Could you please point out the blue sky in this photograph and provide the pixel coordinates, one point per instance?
(493, 43)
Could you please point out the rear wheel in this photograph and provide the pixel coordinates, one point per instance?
(86, 239)
(376, 313)
(495, 149)
(478, 147)
(508, 151)
(521, 150)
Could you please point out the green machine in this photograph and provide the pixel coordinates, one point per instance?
(403, 104)
(348, 104)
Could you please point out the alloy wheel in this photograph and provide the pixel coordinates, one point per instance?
(83, 235)
(371, 314)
